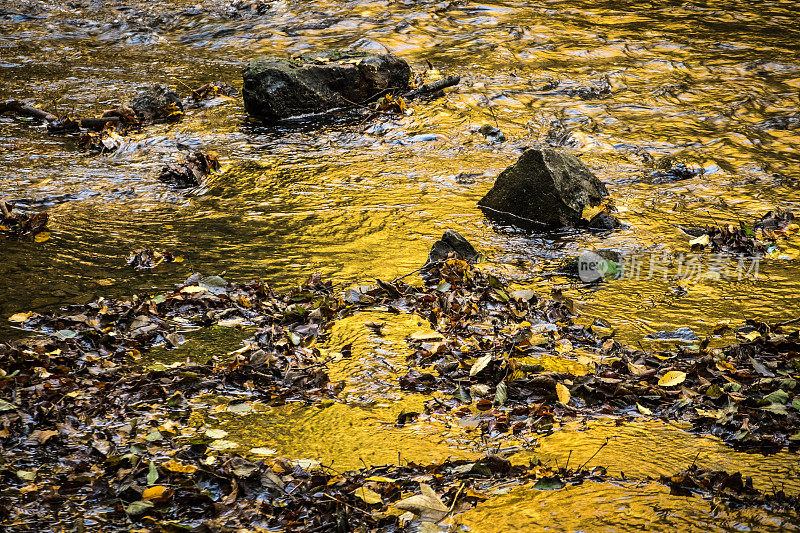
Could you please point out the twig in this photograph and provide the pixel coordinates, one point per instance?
(792, 321)
(595, 453)
(433, 86)
(426, 266)
(455, 499)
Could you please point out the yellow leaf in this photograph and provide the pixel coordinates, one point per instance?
(563, 393)
(427, 336)
(753, 335)
(702, 240)
(155, 492)
(174, 466)
(636, 370)
(672, 378)
(42, 237)
(644, 410)
(369, 496)
(216, 433)
(18, 318)
(563, 346)
(380, 479)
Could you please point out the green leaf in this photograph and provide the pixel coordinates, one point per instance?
(796, 403)
(443, 287)
(776, 408)
(779, 396)
(152, 474)
(549, 483)
(138, 508)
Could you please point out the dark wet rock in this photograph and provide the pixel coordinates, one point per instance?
(679, 172)
(780, 123)
(452, 243)
(492, 134)
(545, 187)
(157, 104)
(276, 89)
(684, 334)
(190, 172)
(604, 221)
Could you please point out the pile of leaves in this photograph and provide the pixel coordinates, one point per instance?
(752, 241)
(191, 171)
(17, 225)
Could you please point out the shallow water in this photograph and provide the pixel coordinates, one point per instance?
(689, 83)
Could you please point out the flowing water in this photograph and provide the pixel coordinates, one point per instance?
(706, 84)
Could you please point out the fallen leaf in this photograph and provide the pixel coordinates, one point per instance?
(174, 466)
(563, 393)
(155, 492)
(426, 505)
(480, 364)
(427, 336)
(18, 318)
(216, 433)
(370, 497)
(263, 451)
(672, 378)
(644, 410)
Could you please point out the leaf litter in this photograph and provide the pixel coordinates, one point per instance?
(86, 429)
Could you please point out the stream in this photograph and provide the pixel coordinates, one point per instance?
(632, 88)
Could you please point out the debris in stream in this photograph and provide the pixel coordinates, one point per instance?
(452, 245)
(21, 108)
(149, 258)
(157, 104)
(545, 187)
(678, 172)
(210, 91)
(18, 225)
(756, 240)
(191, 171)
(599, 88)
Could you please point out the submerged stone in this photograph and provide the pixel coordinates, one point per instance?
(276, 89)
(545, 187)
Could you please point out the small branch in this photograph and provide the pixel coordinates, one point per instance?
(21, 108)
(432, 87)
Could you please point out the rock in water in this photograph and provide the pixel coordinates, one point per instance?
(157, 104)
(452, 242)
(545, 187)
(276, 89)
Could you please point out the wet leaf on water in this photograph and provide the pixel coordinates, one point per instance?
(223, 444)
(672, 378)
(549, 483)
(480, 364)
(368, 496)
(426, 505)
(701, 241)
(152, 473)
(751, 336)
(216, 433)
(427, 336)
(42, 237)
(563, 393)
(193, 289)
(19, 318)
(263, 451)
(644, 410)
